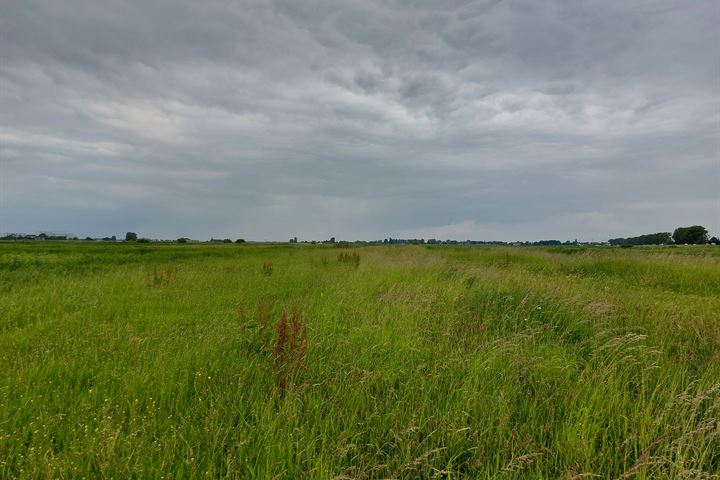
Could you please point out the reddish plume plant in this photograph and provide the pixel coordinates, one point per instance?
(290, 349)
(351, 258)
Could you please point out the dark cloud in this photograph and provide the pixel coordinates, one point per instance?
(359, 119)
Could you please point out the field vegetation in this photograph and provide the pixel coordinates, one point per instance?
(158, 361)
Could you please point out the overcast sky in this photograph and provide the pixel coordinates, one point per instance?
(360, 119)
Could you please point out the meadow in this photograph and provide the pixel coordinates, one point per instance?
(171, 361)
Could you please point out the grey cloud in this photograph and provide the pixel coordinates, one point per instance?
(359, 119)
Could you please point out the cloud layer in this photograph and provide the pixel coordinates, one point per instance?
(359, 119)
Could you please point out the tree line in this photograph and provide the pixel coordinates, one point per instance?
(694, 235)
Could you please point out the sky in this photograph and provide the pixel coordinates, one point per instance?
(363, 119)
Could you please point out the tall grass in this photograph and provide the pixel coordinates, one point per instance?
(180, 361)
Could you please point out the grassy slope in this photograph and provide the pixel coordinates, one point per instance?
(148, 361)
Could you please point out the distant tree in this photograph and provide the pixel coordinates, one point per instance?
(660, 238)
(182, 240)
(227, 240)
(131, 237)
(715, 241)
(697, 234)
(143, 240)
(332, 239)
(240, 240)
(547, 243)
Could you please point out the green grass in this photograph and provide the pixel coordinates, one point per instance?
(151, 361)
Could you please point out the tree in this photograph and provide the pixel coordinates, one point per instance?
(715, 241)
(131, 237)
(182, 240)
(240, 240)
(660, 238)
(697, 234)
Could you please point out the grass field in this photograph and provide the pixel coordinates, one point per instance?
(163, 361)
